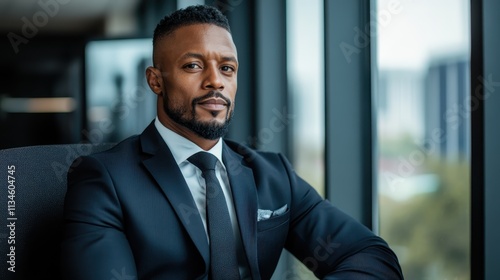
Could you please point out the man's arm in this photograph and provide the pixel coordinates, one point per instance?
(332, 244)
(94, 245)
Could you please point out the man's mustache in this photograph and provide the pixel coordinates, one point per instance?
(212, 94)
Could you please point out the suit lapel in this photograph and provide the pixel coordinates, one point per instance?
(245, 202)
(167, 174)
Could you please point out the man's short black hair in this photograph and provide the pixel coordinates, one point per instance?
(190, 15)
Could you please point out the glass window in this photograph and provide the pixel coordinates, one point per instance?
(423, 130)
(119, 101)
(305, 61)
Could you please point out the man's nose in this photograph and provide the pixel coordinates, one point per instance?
(213, 78)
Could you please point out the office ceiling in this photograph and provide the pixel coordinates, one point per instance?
(61, 16)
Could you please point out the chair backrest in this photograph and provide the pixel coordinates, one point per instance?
(33, 186)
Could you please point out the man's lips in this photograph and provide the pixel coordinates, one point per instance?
(213, 104)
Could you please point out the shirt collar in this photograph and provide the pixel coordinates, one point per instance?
(182, 148)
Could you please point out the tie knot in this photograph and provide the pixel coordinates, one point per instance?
(203, 160)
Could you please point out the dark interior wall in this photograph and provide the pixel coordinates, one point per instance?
(52, 64)
(46, 66)
(41, 58)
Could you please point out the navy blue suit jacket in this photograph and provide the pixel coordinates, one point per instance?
(129, 213)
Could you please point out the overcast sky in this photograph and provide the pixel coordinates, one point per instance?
(423, 29)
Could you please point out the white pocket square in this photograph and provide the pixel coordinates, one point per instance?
(263, 214)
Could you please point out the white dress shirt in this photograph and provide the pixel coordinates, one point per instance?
(181, 149)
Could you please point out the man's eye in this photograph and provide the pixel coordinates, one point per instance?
(227, 69)
(192, 66)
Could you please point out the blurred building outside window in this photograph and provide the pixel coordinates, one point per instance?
(423, 135)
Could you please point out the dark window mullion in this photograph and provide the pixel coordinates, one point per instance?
(477, 147)
(348, 109)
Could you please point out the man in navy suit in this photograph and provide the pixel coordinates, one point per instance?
(138, 211)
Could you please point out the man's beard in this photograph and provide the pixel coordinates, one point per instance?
(209, 130)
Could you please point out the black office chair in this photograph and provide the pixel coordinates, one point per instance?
(37, 185)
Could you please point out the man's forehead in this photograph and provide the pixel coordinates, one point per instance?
(197, 38)
(199, 31)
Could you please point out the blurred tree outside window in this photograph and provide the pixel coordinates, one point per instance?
(423, 130)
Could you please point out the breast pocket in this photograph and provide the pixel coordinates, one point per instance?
(273, 222)
(271, 237)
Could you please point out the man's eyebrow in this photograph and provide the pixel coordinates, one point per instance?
(192, 55)
(230, 58)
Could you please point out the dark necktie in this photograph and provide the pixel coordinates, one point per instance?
(223, 258)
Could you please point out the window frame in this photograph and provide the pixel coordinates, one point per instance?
(485, 246)
(349, 123)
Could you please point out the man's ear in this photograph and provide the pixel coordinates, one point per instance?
(155, 81)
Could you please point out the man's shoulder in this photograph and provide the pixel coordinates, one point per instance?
(255, 157)
(126, 147)
(245, 150)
